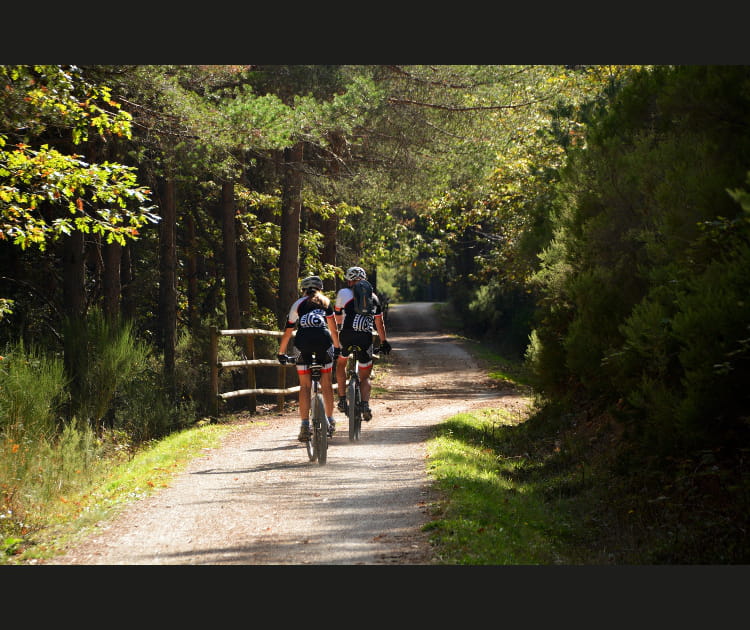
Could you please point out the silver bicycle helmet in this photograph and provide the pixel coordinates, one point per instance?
(355, 273)
(312, 282)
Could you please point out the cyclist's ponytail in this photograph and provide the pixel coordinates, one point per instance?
(317, 297)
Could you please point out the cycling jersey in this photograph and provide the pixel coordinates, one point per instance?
(356, 329)
(308, 314)
(312, 333)
(355, 321)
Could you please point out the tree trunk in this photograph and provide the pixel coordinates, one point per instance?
(127, 289)
(112, 255)
(229, 231)
(291, 209)
(330, 225)
(74, 309)
(243, 276)
(263, 279)
(74, 276)
(168, 277)
(191, 264)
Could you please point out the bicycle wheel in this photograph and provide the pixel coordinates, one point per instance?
(320, 429)
(354, 412)
(310, 445)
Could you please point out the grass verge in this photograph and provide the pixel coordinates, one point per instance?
(564, 486)
(117, 483)
(491, 512)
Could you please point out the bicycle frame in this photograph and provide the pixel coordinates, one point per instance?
(353, 394)
(317, 447)
(317, 443)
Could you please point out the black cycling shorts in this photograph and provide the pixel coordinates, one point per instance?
(313, 340)
(350, 338)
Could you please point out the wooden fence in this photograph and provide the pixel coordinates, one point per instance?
(250, 365)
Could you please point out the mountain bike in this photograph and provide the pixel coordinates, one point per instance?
(354, 392)
(317, 441)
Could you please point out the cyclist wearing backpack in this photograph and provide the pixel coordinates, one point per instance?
(358, 310)
(313, 316)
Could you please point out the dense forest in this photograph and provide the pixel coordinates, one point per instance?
(590, 221)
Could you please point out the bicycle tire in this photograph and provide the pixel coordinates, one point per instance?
(354, 412)
(310, 446)
(320, 429)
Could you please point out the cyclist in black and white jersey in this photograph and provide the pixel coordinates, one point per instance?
(313, 316)
(356, 329)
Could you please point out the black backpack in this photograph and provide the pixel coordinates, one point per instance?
(363, 300)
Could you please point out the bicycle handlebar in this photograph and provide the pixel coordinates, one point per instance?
(290, 359)
(347, 351)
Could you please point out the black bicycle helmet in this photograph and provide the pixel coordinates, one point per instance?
(312, 282)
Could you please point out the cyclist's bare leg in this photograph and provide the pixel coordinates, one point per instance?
(364, 381)
(305, 383)
(341, 381)
(326, 385)
(341, 375)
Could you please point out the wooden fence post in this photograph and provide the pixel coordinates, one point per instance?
(250, 352)
(214, 361)
(282, 386)
(249, 363)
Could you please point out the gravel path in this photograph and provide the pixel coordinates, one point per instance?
(257, 499)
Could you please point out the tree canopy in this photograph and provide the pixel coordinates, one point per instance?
(545, 202)
(45, 191)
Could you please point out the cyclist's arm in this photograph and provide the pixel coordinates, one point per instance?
(331, 321)
(286, 337)
(332, 327)
(291, 322)
(378, 319)
(339, 308)
(380, 327)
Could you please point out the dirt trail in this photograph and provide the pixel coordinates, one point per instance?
(257, 499)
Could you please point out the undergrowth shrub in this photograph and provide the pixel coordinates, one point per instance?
(713, 331)
(146, 410)
(498, 314)
(38, 475)
(32, 388)
(686, 358)
(101, 358)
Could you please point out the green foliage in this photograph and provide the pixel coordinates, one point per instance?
(497, 314)
(495, 512)
(32, 391)
(59, 95)
(642, 285)
(388, 283)
(145, 409)
(712, 330)
(593, 333)
(101, 358)
(95, 198)
(6, 307)
(649, 349)
(38, 473)
(103, 199)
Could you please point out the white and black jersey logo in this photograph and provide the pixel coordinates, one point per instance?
(313, 319)
(362, 323)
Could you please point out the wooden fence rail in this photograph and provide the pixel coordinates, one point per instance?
(250, 364)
